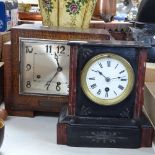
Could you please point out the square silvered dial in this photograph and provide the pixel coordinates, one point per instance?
(44, 67)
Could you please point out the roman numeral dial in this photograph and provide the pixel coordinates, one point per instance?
(107, 79)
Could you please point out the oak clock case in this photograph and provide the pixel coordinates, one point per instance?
(37, 67)
(105, 103)
(43, 76)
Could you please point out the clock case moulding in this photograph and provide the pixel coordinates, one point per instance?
(83, 123)
(29, 105)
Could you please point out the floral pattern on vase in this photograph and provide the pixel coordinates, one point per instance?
(88, 13)
(67, 13)
(49, 12)
(71, 12)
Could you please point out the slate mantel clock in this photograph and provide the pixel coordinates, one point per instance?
(106, 96)
(37, 67)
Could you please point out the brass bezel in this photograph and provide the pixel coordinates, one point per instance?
(107, 102)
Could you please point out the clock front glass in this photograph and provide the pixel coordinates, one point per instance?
(107, 79)
(44, 67)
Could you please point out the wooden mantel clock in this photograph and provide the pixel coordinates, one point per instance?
(37, 67)
(106, 96)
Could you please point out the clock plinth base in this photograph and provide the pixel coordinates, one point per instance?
(102, 132)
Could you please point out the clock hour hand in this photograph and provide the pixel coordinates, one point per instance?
(99, 73)
(56, 58)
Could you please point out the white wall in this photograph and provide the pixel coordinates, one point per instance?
(28, 1)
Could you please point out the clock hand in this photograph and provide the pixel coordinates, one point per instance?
(118, 77)
(59, 69)
(56, 58)
(49, 82)
(107, 79)
(99, 73)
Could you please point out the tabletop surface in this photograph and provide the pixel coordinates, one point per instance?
(37, 136)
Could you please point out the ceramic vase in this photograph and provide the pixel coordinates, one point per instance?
(49, 12)
(88, 13)
(67, 13)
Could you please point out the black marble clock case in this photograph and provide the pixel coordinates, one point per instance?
(84, 123)
(86, 107)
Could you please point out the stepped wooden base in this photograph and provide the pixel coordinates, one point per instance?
(21, 113)
(31, 113)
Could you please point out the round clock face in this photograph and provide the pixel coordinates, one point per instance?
(44, 67)
(107, 79)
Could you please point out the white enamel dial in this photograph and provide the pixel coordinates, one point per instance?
(44, 67)
(107, 79)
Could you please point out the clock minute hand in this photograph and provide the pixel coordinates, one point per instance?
(59, 69)
(118, 77)
(49, 82)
